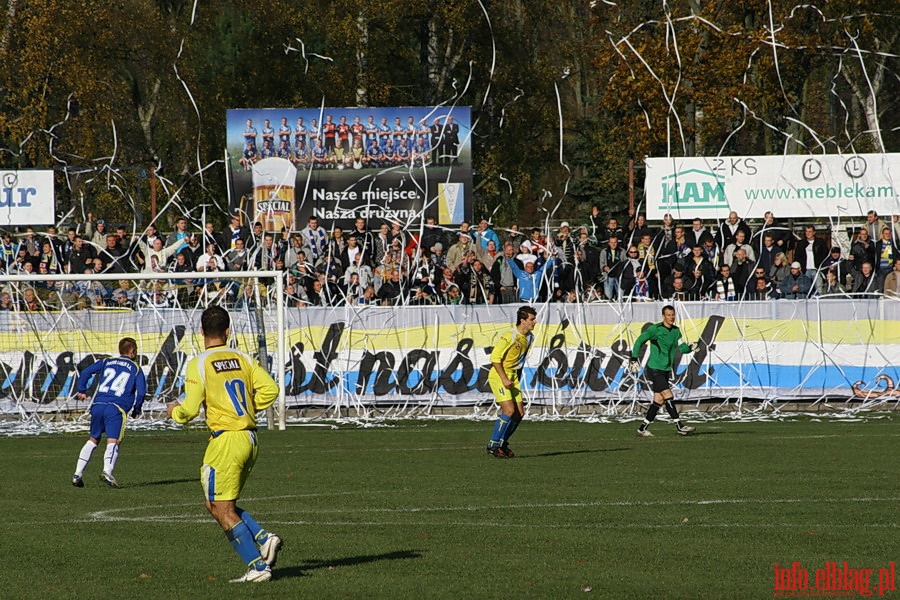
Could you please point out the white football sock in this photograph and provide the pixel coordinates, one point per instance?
(110, 457)
(84, 457)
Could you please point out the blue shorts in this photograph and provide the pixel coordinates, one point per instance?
(109, 419)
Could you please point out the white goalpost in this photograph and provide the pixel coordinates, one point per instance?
(54, 326)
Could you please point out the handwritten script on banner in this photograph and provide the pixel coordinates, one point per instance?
(784, 350)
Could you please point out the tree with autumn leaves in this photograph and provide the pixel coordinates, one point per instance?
(563, 94)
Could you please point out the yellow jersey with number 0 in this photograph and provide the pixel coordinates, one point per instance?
(231, 385)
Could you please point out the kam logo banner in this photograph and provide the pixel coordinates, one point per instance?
(337, 164)
(27, 197)
(694, 188)
(789, 186)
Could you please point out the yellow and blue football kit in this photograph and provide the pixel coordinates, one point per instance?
(233, 387)
(510, 352)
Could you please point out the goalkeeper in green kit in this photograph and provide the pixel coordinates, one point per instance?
(665, 339)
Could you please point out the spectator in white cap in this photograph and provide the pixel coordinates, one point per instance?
(797, 284)
(526, 253)
(438, 259)
(529, 278)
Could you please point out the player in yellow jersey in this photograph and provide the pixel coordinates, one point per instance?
(233, 388)
(507, 360)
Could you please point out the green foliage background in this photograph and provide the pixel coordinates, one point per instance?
(564, 94)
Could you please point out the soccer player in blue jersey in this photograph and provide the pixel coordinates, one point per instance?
(122, 387)
(301, 156)
(268, 134)
(373, 156)
(300, 133)
(410, 135)
(507, 360)
(313, 133)
(371, 133)
(250, 133)
(233, 387)
(403, 154)
(384, 132)
(320, 156)
(399, 132)
(388, 153)
(249, 157)
(284, 133)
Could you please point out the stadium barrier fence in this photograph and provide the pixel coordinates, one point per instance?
(375, 361)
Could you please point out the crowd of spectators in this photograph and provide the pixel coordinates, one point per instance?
(599, 260)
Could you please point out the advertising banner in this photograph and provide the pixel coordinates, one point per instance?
(790, 186)
(27, 198)
(770, 351)
(338, 164)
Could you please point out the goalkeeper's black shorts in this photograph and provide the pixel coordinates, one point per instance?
(659, 380)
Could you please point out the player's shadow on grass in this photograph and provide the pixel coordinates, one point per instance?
(564, 452)
(163, 482)
(350, 561)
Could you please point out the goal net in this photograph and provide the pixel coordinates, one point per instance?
(378, 362)
(53, 328)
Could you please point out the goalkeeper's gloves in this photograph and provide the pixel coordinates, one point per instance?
(634, 366)
(695, 346)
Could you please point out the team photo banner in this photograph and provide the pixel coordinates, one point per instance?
(440, 356)
(834, 186)
(337, 164)
(27, 197)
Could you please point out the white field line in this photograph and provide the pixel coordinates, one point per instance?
(580, 526)
(115, 515)
(589, 444)
(608, 503)
(556, 443)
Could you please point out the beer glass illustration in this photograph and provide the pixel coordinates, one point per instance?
(273, 193)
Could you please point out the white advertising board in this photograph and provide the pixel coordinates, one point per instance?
(789, 186)
(27, 198)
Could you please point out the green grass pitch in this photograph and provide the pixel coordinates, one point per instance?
(418, 510)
